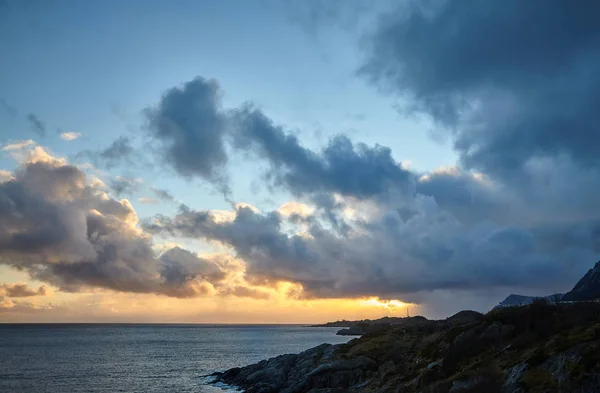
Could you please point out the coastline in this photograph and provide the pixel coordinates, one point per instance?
(507, 350)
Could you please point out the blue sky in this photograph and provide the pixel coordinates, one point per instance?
(92, 67)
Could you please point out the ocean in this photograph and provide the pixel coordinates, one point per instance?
(109, 358)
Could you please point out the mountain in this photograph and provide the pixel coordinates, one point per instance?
(520, 300)
(588, 288)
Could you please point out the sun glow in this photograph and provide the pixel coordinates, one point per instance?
(387, 304)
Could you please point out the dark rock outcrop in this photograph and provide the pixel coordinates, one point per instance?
(315, 370)
(588, 288)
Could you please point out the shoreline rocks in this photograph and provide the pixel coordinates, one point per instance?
(506, 351)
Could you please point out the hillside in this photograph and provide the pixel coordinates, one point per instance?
(368, 326)
(536, 348)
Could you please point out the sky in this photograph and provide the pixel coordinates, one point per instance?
(294, 161)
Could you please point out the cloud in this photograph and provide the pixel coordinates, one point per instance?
(70, 136)
(295, 208)
(390, 254)
(508, 94)
(36, 124)
(118, 152)
(22, 307)
(192, 132)
(21, 289)
(147, 201)
(5, 175)
(18, 145)
(6, 107)
(163, 195)
(60, 228)
(362, 224)
(241, 291)
(189, 129)
(342, 166)
(312, 16)
(376, 227)
(125, 185)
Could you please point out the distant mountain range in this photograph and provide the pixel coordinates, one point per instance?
(588, 288)
(520, 300)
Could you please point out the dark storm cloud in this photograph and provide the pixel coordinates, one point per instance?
(177, 257)
(192, 132)
(469, 199)
(18, 207)
(36, 124)
(342, 166)
(64, 231)
(513, 80)
(452, 229)
(391, 255)
(255, 237)
(189, 129)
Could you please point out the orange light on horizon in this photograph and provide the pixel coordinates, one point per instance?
(387, 304)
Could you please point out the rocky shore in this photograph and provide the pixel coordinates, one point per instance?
(537, 348)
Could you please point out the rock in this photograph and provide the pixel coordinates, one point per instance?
(316, 368)
(511, 384)
(436, 364)
(345, 364)
(386, 369)
(342, 373)
(352, 331)
(466, 385)
(558, 366)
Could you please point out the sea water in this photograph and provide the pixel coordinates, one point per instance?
(109, 358)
